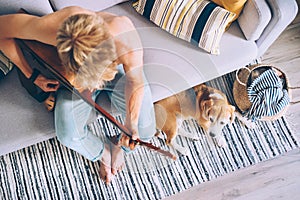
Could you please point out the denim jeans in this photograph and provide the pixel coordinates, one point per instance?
(72, 114)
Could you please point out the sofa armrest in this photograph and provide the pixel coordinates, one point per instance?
(283, 13)
(255, 17)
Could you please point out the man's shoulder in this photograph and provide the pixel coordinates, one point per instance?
(120, 25)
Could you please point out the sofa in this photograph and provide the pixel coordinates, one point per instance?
(171, 64)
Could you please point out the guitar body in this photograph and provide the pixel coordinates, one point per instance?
(47, 53)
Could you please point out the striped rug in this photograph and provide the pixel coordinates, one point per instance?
(48, 170)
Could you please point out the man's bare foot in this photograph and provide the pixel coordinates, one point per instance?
(105, 165)
(112, 162)
(117, 159)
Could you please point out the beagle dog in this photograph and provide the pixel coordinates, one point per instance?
(207, 105)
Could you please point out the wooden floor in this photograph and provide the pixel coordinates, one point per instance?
(278, 178)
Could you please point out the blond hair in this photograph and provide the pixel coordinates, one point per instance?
(86, 49)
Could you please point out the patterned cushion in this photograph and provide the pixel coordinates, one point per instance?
(235, 6)
(200, 22)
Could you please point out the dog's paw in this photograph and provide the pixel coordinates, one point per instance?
(221, 142)
(183, 151)
(186, 134)
(248, 123)
(180, 149)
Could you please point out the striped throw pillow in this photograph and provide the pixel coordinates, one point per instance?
(200, 22)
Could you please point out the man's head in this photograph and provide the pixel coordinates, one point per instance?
(87, 49)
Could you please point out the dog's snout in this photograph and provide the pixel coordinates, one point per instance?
(212, 134)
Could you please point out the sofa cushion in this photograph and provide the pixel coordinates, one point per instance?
(254, 19)
(41, 7)
(88, 4)
(24, 121)
(200, 22)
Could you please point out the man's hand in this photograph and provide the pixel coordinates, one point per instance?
(126, 141)
(47, 85)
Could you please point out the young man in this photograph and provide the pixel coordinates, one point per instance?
(99, 52)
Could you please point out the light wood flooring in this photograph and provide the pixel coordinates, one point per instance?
(274, 179)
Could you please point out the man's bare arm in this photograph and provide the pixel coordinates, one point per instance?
(43, 29)
(130, 54)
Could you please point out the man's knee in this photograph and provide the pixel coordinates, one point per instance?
(147, 125)
(64, 139)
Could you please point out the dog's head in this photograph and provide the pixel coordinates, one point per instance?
(215, 113)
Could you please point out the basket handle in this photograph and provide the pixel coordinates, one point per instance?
(237, 77)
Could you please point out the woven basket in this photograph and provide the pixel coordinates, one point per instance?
(241, 83)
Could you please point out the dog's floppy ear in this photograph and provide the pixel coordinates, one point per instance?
(205, 106)
(232, 111)
(216, 96)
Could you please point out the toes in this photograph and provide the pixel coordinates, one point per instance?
(105, 174)
(117, 160)
(105, 165)
(107, 179)
(116, 170)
